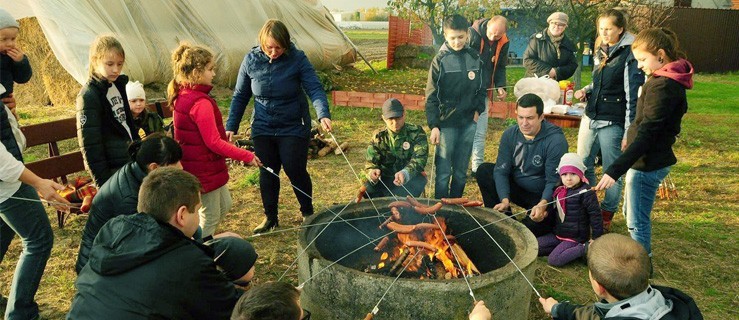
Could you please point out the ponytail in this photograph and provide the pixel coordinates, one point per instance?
(188, 64)
(653, 39)
(173, 89)
(155, 148)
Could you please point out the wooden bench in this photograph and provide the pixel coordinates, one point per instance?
(57, 166)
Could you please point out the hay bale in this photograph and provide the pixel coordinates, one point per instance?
(413, 56)
(50, 84)
(32, 41)
(60, 85)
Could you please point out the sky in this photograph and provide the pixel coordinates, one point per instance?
(348, 5)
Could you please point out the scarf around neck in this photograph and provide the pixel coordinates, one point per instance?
(556, 41)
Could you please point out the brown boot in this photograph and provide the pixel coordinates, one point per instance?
(607, 217)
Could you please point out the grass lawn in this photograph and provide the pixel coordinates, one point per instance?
(366, 34)
(695, 236)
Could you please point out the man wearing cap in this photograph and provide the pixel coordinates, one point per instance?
(550, 52)
(488, 37)
(147, 266)
(396, 156)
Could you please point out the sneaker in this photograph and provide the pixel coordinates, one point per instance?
(607, 218)
(266, 225)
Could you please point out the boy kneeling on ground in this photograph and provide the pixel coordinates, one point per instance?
(619, 273)
(397, 155)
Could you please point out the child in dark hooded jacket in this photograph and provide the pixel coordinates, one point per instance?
(577, 211)
(660, 107)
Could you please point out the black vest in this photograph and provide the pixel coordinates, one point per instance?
(607, 101)
(6, 134)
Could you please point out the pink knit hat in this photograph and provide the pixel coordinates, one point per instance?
(572, 163)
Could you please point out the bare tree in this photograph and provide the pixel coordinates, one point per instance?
(644, 14)
(432, 12)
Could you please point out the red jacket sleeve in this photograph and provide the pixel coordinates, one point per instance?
(202, 113)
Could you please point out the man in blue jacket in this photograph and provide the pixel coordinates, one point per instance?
(526, 170)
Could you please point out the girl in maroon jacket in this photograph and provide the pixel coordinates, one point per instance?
(659, 110)
(198, 127)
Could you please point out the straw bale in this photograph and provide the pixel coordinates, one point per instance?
(32, 41)
(60, 85)
(50, 84)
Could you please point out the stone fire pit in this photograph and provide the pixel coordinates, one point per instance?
(345, 291)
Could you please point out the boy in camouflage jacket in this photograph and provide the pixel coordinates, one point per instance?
(397, 155)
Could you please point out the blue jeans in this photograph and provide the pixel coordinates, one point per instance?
(608, 141)
(29, 220)
(453, 159)
(641, 190)
(478, 144)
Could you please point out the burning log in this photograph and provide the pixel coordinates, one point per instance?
(463, 259)
(399, 262)
(438, 271)
(428, 264)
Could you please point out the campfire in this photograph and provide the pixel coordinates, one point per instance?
(343, 277)
(422, 243)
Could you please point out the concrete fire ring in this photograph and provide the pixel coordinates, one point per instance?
(339, 292)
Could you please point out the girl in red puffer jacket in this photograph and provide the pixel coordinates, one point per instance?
(198, 127)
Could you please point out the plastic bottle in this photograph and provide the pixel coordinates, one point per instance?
(562, 90)
(569, 93)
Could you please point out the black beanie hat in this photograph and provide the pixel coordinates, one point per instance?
(234, 256)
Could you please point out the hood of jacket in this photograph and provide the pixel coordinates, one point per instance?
(547, 129)
(680, 70)
(481, 26)
(650, 304)
(127, 242)
(445, 49)
(260, 56)
(104, 84)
